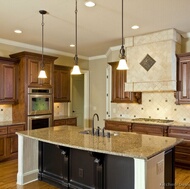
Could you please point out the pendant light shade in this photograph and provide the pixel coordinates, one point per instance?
(122, 63)
(42, 73)
(76, 69)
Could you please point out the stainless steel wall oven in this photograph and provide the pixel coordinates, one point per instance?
(39, 101)
(41, 121)
(39, 108)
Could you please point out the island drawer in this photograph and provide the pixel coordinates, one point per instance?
(14, 129)
(3, 130)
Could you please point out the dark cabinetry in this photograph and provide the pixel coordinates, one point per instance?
(9, 141)
(61, 84)
(119, 78)
(68, 121)
(8, 80)
(182, 150)
(183, 79)
(30, 66)
(69, 168)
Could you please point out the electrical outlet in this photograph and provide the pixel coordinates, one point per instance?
(81, 172)
(160, 167)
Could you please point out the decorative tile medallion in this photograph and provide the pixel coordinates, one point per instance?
(147, 62)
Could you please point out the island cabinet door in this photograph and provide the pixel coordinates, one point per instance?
(119, 172)
(53, 164)
(85, 170)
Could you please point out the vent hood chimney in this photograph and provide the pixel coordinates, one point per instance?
(152, 61)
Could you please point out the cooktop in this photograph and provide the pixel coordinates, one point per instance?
(153, 120)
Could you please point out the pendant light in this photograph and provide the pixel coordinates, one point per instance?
(42, 73)
(76, 69)
(122, 62)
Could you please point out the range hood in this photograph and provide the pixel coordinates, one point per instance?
(152, 61)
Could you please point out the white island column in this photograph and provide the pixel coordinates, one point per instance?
(27, 160)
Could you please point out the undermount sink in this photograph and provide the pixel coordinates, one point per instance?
(106, 134)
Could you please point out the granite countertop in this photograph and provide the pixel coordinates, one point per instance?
(174, 123)
(9, 123)
(124, 144)
(63, 117)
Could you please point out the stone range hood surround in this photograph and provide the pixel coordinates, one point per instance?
(162, 47)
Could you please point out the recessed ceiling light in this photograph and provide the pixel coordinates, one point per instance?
(135, 27)
(90, 3)
(72, 45)
(17, 31)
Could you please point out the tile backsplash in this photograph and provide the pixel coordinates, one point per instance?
(154, 105)
(5, 112)
(60, 109)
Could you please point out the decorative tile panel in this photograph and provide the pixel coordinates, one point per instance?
(147, 62)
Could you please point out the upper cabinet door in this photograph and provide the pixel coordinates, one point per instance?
(119, 95)
(183, 79)
(9, 80)
(34, 65)
(30, 65)
(61, 84)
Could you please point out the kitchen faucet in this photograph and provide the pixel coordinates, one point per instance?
(95, 115)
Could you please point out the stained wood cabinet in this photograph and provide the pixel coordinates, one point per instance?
(182, 150)
(118, 126)
(61, 84)
(8, 80)
(31, 65)
(68, 121)
(183, 79)
(119, 78)
(9, 141)
(158, 130)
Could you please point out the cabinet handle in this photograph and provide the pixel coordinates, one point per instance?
(97, 160)
(63, 152)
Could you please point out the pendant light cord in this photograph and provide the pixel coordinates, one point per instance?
(122, 50)
(76, 56)
(122, 21)
(42, 41)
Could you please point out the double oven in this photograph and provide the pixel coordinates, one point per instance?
(39, 108)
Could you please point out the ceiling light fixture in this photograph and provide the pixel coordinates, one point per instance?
(17, 31)
(135, 27)
(42, 73)
(122, 62)
(76, 69)
(89, 3)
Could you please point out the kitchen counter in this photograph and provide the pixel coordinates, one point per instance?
(136, 145)
(173, 123)
(9, 123)
(144, 151)
(63, 117)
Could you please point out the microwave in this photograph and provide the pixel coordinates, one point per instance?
(39, 101)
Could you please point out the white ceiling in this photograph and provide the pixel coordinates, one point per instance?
(98, 28)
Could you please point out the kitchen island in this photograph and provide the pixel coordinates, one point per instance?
(67, 158)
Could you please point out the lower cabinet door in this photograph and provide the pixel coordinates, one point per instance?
(119, 172)
(53, 164)
(3, 147)
(85, 170)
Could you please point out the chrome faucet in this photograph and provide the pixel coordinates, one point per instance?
(93, 132)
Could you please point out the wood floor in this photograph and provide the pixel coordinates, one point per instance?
(8, 171)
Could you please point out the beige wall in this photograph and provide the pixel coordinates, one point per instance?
(97, 70)
(185, 45)
(6, 50)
